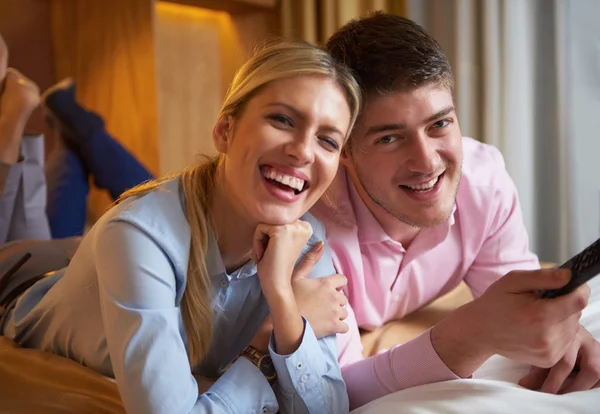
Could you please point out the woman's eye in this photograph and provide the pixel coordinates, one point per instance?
(282, 119)
(330, 142)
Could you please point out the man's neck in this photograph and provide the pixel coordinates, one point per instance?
(396, 229)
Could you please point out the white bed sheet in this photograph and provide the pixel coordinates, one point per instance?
(494, 387)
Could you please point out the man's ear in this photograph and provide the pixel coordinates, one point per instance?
(222, 133)
(345, 156)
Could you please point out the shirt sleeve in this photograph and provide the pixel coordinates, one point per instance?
(310, 380)
(145, 339)
(10, 174)
(404, 366)
(506, 246)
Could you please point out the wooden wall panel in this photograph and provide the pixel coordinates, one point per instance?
(198, 52)
(108, 47)
(25, 25)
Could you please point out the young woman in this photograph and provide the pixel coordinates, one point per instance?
(192, 274)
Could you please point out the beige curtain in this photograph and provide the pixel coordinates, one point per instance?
(516, 65)
(315, 20)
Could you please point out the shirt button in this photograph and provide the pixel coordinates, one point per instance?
(299, 365)
(224, 284)
(303, 378)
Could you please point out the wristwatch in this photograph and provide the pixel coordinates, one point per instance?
(262, 361)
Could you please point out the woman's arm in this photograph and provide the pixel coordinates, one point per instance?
(309, 377)
(137, 288)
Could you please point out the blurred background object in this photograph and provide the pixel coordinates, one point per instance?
(527, 80)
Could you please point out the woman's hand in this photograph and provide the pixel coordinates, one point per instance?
(320, 300)
(276, 250)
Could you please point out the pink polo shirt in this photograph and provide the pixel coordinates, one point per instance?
(484, 239)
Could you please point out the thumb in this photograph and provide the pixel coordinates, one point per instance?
(309, 261)
(534, 280)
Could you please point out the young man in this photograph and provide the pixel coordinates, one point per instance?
(22, 214)
(416, 209)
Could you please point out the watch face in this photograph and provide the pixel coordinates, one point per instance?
(267, 367)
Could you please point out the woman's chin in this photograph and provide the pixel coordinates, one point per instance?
(278, 215)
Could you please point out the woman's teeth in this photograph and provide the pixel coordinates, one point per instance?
(424, 186)
(292, 182)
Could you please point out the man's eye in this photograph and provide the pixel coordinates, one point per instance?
(388, 139)
(441, 123)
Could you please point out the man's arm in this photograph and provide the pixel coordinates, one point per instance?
(506, 245)
(404, 366)
(22, 181)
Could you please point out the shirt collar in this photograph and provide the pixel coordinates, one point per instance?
(369, 229)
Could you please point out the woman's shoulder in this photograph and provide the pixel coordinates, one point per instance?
(160, 212)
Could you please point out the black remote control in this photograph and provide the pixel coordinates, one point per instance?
(583, 266)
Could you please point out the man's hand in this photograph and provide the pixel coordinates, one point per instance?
(580, 366)
(320, 300)
(510, 319)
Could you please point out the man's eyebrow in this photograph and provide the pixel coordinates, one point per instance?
(396, 127)
(302, 116)
(384, 127)
(440, 114)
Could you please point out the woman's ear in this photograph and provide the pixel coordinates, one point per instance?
(222, 133)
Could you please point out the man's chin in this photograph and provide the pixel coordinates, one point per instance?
(426, 221)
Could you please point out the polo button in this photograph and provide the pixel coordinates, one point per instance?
(224, 284)
(303, 378)
(299, 365)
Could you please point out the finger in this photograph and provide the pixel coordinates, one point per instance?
(260, 242)
(341, 327)
(565, 307)
(587, 378)
(338, 281)
(524, 281)
(559, 372)
(309, 261)
(583, 381)
(342, 299)
(342, 313)
(534, 378)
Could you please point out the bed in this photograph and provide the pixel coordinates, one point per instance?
(33, 381)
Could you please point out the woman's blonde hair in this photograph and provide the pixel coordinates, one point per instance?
(273, 62)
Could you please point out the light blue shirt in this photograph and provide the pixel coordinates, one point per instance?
(116, 309)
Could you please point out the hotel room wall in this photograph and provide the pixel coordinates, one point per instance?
(197, 54)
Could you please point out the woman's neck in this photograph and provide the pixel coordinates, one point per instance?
(233, 231)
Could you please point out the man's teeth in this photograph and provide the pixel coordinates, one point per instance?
(424, 186)
(293, 182)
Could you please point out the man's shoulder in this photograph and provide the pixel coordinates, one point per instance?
(481, 162)
(486, 185)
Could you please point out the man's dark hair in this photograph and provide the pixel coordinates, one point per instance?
(390, 53)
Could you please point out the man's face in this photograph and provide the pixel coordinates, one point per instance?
(406, 154)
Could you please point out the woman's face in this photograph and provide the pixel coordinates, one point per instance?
(282, 152)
